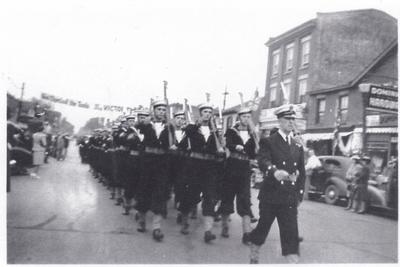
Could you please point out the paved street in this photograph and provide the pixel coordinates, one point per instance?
(67, 217)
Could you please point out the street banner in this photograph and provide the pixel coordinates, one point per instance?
(83, 104)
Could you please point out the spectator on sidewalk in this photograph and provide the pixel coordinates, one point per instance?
(39, 149)
(313, 164)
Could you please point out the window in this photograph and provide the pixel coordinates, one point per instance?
(302, 89)
(275, 62)
(288, 86)
(343, 107)
(320, 110)
(289, 57)
(272, 95)
(305, 50)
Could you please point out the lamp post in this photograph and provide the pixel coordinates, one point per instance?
(364, 89)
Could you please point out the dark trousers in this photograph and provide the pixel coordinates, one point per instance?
(176, 164)
(132, 176)
(236, 183)
(152, 184)
(287, 221)
(200, 181)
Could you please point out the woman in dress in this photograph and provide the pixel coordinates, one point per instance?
(39, 150)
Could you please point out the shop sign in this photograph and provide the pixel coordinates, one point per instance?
(382, 98)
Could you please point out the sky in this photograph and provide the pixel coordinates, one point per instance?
(119, 52)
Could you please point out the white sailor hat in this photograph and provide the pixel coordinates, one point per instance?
(131, 116)
(356, 157)
(205, 106)
(179, 113)
(123, 119)
(158, 103)
(114, 127)
(285, 111)
(143, 112)
(244, 110)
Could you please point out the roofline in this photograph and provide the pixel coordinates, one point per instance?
(392, 45)
(305, 25)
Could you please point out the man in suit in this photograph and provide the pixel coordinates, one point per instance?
(282, 162)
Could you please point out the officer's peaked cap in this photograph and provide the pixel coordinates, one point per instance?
(285, 111)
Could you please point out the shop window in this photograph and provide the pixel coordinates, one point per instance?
(320, 110)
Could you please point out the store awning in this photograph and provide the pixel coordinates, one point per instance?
(317, 136)
(381, 130)
(323, 136)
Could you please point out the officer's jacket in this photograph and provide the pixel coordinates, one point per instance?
(197, 141)
(233, 139)
(276, 154)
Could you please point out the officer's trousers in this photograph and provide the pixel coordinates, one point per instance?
(287, 221)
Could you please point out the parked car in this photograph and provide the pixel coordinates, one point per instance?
(383, 192)
(329, 181)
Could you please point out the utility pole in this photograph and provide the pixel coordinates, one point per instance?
(20, 101)
(225, 94)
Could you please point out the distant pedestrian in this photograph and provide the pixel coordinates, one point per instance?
(351, 177)
(39, 149)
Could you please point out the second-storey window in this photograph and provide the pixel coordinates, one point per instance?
(343, 107)
(275, 62)
(320, 110)
(289, 52)
(305, 50)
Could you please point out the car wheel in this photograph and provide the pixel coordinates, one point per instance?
(331, 194)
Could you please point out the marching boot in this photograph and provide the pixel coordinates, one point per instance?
(193, 213)
(179, 218)
(158, 235)
(292, 258)
(254, 253)
(185, 224)
(225, 226)
(208, 236)
(362, 208)
(246, 239)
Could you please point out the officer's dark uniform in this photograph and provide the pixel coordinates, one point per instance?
(279, 199)
(236, 179)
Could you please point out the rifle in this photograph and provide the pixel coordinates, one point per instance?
(169, 124)
(189, 116)
(213, 127)
(254, 135)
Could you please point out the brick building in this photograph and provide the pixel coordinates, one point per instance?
(322, 62)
